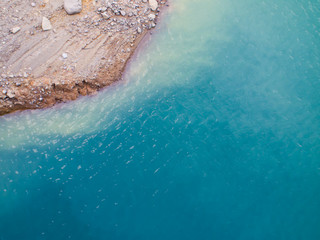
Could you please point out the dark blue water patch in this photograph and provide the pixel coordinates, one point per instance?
(41, 214)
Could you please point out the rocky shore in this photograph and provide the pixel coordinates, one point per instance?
(56, 50)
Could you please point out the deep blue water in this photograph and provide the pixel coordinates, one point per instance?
(213, 134)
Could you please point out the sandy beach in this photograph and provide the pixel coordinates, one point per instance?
(48, 55)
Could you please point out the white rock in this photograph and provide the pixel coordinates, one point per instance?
(46, 25)
(151, 17)
(33, 4)
(105, 15)
(153, 5)
(73, 6)
(64, 55)
(11, 94)
(15, 30)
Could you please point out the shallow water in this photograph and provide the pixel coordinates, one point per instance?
(213, 134)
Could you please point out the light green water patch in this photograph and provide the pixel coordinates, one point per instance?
(172, 54)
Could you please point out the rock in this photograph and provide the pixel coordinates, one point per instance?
(151, 17)
(46, 25)
(72, 6)
(105, 15)
(15, 30)
(123, 13)
(11, 94)
(64, 55)
(153, 5)
(33, 4)
(139, 30)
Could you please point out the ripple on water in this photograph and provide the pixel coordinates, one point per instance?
(213, 134)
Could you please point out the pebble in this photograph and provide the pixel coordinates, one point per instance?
(64, 55)
(105, 15)
(33, 4)
(151, 16)
(72, 6)
(15, 30)
(153, 5)
(11, 94)
(46, 25)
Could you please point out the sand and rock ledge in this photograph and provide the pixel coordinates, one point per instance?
(56, 50)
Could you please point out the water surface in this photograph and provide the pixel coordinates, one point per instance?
(213, 134)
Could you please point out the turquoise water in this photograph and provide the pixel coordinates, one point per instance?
(214, 133)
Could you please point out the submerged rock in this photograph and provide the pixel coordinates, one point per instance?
(73, 6)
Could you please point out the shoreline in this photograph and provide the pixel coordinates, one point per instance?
(100, 63)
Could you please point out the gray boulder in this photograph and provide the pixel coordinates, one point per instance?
(73, 6)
